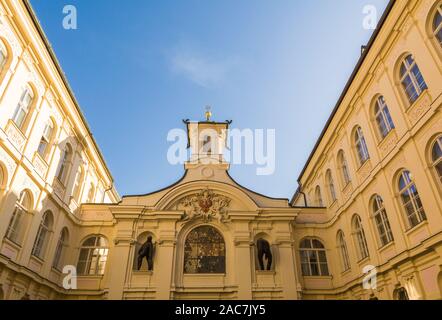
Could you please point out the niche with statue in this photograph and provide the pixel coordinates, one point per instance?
(144, 255)
(264, 253)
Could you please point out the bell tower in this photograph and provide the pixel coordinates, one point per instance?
(207, 140)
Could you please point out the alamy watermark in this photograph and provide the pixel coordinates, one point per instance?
(70, 21)
(370, 20)
(369, 282)
(70, 280)
(247, 146)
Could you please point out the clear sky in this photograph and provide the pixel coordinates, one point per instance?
(139, 67)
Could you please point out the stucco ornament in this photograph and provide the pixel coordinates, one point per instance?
(205, 205)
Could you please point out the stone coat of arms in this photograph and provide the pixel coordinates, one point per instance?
(206, 205)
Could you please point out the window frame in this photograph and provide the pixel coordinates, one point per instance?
(361, 147)
(78, 184)
(62, 244)
(359, 238)
(331, 186)
(308, 252)
(15, 227)
(406, 71)
(319, 201)
(343, 168)
(378, 210)
(43, 235)
(46, 140)
(343, 251)
(382, 117)
(65, 164)
(222, 248)
(435, 162)
(26, 109)
(435, 30)
(96, 257)
(415, 199)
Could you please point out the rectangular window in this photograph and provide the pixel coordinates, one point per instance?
(22, 109)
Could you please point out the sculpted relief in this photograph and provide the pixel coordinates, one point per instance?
(206, 205)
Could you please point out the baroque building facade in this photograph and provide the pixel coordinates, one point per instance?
(368, 202)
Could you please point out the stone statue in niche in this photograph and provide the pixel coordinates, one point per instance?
(146, 251)
(264, 252)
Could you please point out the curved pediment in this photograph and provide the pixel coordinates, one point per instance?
(208, 199)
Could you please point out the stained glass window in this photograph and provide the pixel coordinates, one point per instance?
(204, 251)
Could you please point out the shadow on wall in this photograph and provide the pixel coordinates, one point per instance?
(34, 229)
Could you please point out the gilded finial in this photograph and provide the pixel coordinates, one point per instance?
(208, 113)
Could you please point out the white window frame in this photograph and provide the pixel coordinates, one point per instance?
(436, 29)
(408, 73)
(4, 53)
(46, 140)
(436, 162)
(360, 238)
(383, 116)
(59, 251)
(343, 168)
(343, 252)
(308, 252)
(23, 108)
(96, 258)
(331, 186)
(418, 211)
(21, 208)
(361, 147)
(381, 221)
(43, 234)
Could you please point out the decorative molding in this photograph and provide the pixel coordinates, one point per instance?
(8, 162)
(59, 189)
(388, 143)
(15, 135)
(205, 205)
(40, 165)
(364, 171)
(10, 37)
(416, 111)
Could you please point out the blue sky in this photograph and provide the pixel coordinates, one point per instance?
(139, 67)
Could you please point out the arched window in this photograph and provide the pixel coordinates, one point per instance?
(93, 256)
(331, 185)
(62, 243)
(23, 107)
(361, 146)
(43, 234)
(383, 118)
(3, 56)
(204, 251)
(207, 145)
(437, 24)
(343, 168)
(79, 178)
(342, 247)
(381, 220)
(91, 194)
(410, 199)
(318, 197)
(359, 237)
(313, 258)
(411, 78)
(436, 156)
(2, 177)
(22, 207)
(401, 294)
(46, 140)
(65, 163)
